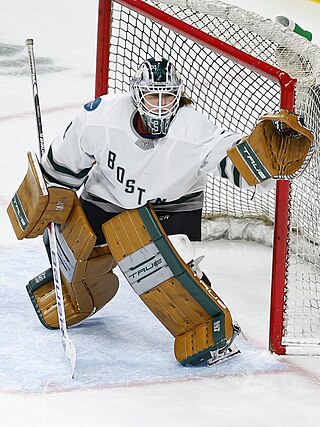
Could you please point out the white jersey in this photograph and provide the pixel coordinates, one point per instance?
(102, 149)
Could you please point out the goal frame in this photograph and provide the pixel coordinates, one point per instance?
(287, 90)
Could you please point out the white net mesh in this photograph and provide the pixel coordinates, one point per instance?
(234, 96)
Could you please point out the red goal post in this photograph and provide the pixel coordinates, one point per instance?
(236, 66)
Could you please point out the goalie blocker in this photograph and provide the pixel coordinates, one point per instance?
(35, 205)
(277, 147)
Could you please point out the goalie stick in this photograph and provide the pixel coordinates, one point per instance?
(69, 347)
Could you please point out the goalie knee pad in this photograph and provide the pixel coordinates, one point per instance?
(190, 310)
(35, 205)
(86, 274)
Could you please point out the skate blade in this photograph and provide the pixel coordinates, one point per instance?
(228, 354)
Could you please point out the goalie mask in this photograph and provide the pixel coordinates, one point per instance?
(156, 91)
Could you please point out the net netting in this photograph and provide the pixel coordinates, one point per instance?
(234, 96)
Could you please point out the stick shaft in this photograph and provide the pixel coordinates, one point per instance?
(35, 92)
(69, 348)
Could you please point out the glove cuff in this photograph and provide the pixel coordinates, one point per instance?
(248, 163)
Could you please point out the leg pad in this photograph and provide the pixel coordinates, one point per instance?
(186, 306)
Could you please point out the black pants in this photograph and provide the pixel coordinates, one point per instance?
(186, 222)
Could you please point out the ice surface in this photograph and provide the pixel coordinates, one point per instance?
(126, 374)
(122, 344)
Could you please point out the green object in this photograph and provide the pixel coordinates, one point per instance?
(289, 23)
(34, 284)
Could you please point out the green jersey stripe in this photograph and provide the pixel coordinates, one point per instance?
(236, 177)
(223, 165)
(64, 170)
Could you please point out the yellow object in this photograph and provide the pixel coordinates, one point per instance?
(35, 205)
(192, 312)
(88, 282)
(268, 152)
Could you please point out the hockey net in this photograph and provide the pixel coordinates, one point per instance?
(237, 66)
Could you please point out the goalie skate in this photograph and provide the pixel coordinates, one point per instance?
(227, 352)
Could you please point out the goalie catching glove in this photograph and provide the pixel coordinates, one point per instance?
(277, 147)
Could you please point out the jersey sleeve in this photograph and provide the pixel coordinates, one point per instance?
(70, 157)
(215, 150)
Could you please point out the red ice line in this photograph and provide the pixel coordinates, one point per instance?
(31, 113)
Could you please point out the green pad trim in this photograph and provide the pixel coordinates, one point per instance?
(150, 223)
(35, 284)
